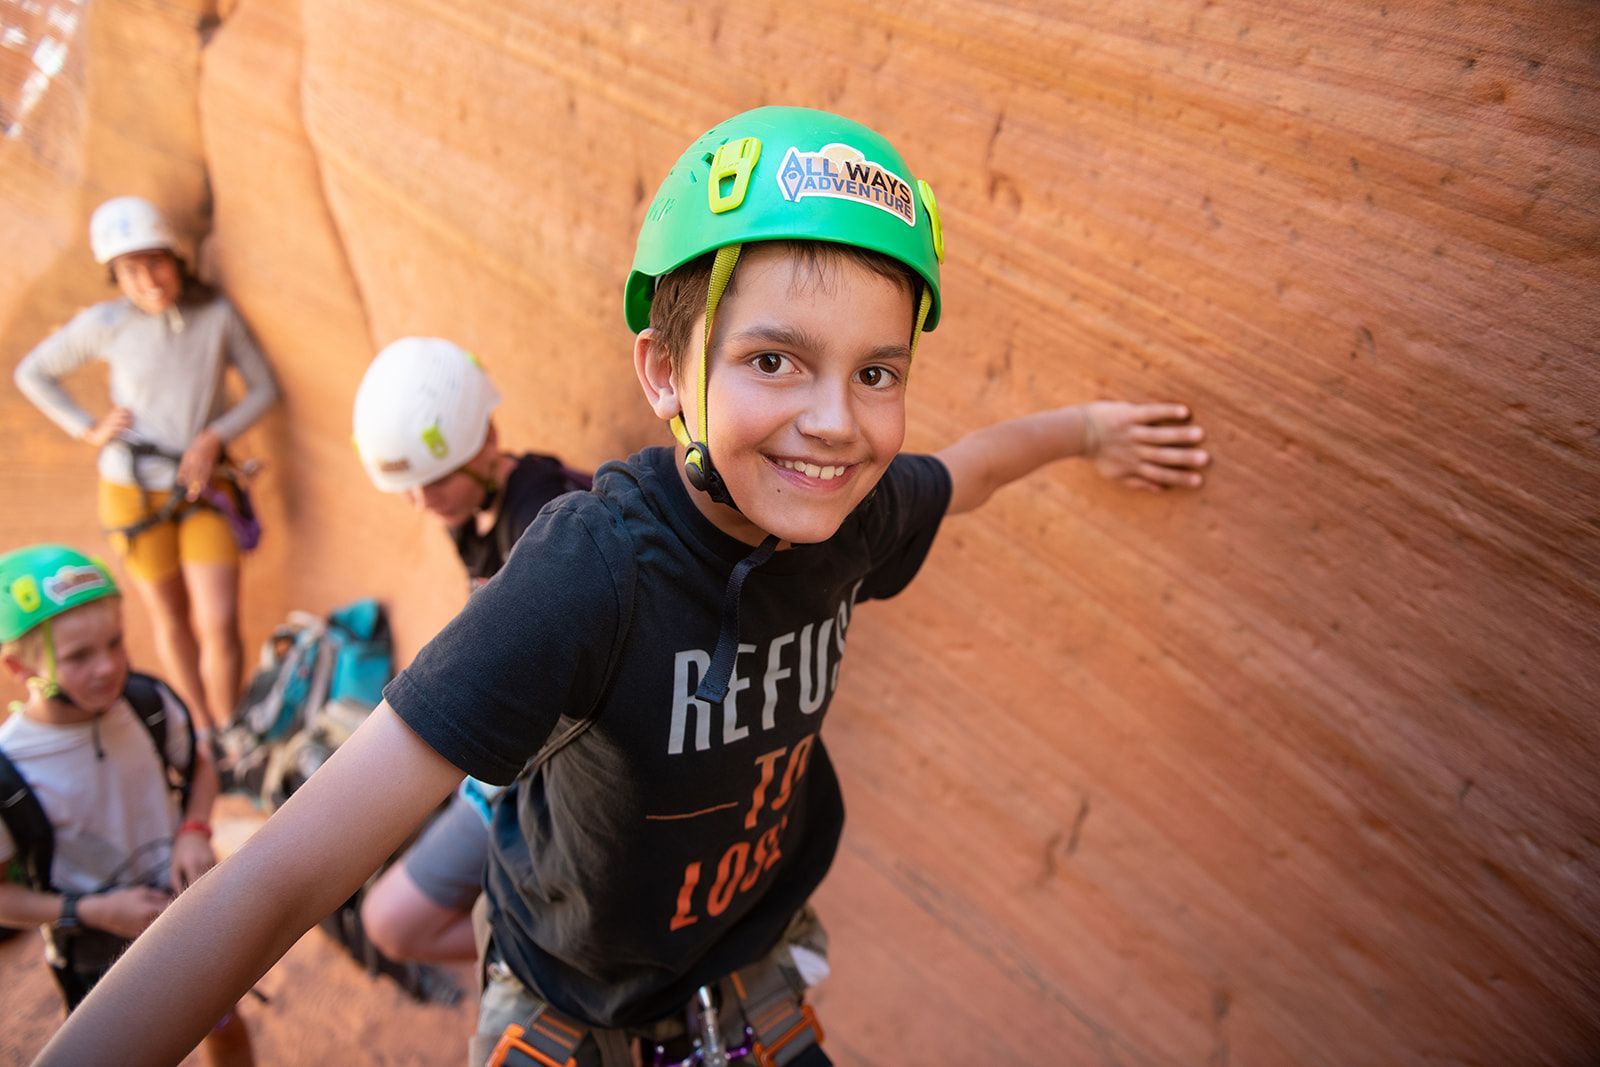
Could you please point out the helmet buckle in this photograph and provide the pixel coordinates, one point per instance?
(703, 475)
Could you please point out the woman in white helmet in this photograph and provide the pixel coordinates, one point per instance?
(424, 427)
(168, 342)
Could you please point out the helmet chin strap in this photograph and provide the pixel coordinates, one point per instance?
(48, 684)
(490, 486)
(702, 473)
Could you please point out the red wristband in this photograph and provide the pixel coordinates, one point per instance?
(197, 827)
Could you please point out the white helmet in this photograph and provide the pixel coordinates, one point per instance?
(128, 224)
(421, 412)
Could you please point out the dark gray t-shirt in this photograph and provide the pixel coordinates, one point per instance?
(671, 843)
(534, 482)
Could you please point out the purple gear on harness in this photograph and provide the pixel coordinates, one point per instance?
(240, 515)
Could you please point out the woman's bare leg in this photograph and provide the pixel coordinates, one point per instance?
(166, 602)
(214, 609)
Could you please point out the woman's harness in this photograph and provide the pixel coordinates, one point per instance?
(235, 507)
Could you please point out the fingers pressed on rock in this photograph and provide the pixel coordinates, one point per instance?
(1167, 435)
(1191, 458)
(1160, 475)
(1161, 412)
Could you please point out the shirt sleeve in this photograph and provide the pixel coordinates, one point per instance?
(543, 480)
(261, 389)
(69, 348)
(536, 642)
(901, 522)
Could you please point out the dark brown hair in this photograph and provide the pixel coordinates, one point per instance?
(192, 292)
(680, 295)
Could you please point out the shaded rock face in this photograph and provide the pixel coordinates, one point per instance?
(1297, 770)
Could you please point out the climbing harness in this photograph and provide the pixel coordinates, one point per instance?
(233, 503)
(770, 1026)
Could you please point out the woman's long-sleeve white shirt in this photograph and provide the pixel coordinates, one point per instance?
(167, 369)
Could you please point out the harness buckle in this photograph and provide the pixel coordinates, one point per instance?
(521, 1046)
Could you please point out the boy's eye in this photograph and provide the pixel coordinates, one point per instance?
(769, 363)
(877, 377)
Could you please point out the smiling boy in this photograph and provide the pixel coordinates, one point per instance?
(89, 813)
(669, 643)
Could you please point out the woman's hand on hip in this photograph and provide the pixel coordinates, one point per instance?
(114, 422)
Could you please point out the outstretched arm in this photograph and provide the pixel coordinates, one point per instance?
(210, 946)
(1143, 446)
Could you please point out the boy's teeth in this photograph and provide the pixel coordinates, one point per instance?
(811, 470)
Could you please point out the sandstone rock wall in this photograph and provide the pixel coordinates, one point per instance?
(1297, 770)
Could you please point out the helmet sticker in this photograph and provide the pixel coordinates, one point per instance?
(394, 466)
(70, 581)
(841, 172)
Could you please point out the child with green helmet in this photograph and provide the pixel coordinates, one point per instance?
(104, 805)
(660, 653)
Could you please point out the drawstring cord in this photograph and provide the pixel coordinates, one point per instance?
(719, 673)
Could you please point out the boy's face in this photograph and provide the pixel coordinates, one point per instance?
(91, 662)
(452, 499)
(149, 280)
(806, 393)
(457, 496)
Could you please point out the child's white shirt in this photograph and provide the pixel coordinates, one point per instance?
(113, 817)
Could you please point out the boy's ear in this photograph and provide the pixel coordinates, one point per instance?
(16, 668)
(653, 365)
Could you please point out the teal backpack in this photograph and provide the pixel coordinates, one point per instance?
(310, 671)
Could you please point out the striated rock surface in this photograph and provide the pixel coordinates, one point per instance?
(1298, 770)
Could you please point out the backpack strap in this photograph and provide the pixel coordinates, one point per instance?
(149, 705)
(28, 826)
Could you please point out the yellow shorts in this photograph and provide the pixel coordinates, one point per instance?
(194, 534)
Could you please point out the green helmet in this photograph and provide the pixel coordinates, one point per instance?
(39, 582)
(787, 173)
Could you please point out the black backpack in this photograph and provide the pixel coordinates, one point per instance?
(24, 817)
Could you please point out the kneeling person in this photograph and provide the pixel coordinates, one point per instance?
(423, 427)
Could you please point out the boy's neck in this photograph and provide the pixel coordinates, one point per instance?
(483, 521)
(50, 712)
